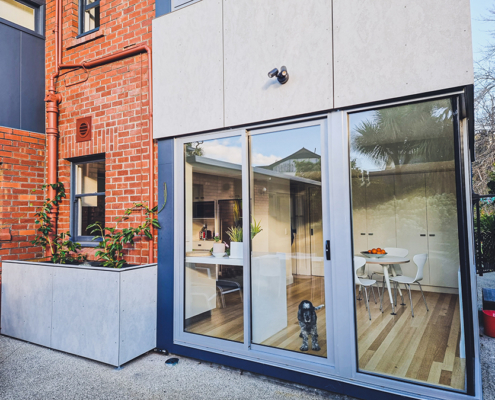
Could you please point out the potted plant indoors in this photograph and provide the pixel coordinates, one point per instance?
(235, 236)
(103, 309)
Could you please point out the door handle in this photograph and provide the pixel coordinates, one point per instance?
(327, 249)
(432, 234)
(370, 234)
(422, 234)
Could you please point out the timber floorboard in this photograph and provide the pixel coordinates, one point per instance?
(424, 348)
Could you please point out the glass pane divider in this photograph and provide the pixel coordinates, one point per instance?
(246, 228)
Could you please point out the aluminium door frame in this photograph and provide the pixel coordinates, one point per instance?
(462, 166)
(324, 367)
(345, 368)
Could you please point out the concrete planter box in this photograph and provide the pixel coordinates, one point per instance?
(108, 315)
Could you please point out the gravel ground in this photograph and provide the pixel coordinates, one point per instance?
(487, 344)
(28, 371)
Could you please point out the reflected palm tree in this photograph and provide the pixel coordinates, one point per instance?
(413, 133)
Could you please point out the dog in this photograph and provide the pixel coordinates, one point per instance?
(306, 315)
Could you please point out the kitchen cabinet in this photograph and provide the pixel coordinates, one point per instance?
(414, 211)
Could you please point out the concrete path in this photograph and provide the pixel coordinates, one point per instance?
(30, 372)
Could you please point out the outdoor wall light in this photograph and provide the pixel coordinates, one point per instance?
(282, 76)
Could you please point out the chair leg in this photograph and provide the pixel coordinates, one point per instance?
(420, 288)
(395, 294)
(359, 293)
(367, 302)
(381, 296)
(373, 291)
(410, 299)
(401, 296)
(222, 297)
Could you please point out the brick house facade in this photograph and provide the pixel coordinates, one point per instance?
(22, 169)
(114, 95)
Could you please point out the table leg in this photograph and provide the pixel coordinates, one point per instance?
(387, 280)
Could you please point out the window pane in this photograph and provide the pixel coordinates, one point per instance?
(92, 19)
(287, 255)
(404, 204)
(91, 209)
(213, 207)
(17, 13)
(90, 177)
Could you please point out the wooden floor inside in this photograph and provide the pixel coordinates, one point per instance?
(424, 348)
(227, 323)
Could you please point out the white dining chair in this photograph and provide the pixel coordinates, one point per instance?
(359, 263)
(361, 273)
(419, 260)
(392, 252)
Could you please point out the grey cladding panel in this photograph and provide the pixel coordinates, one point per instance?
(96, 290)
(10, 45)
(137, 312)
(25, 285)
(32, 83)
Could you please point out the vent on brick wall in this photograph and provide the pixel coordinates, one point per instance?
(83, 129)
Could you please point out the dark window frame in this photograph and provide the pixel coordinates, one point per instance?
(39, 18)
(86, 241)
(83, 8)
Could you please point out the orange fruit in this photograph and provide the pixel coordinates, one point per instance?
(374, 251)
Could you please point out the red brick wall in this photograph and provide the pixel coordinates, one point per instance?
(22, 158)
(114, 95)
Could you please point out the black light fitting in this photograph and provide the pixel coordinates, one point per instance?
(282, 76)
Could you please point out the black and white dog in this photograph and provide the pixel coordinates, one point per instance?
(306, 316)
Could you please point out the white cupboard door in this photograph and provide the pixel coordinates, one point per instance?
(410, 201)
(380, 212)
(360, 234)
(443, 241)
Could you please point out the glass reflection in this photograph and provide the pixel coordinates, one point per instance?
(213, 265)
(287, 255)
(404, 201)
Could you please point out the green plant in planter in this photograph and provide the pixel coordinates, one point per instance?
(255, 228)
(112, 243)
(235, 232)
(63, 250)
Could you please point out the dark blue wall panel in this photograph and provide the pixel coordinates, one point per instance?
(165, 244)
(32, 83)
(10, 83)
(162, 7)
(22, 79)
(165, 323)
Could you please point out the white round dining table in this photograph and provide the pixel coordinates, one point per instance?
(385, 262)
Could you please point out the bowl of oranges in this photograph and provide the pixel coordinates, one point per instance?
(374, 253)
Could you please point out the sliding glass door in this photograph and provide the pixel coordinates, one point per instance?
(253, 267)
(404, 208)
(287, 264)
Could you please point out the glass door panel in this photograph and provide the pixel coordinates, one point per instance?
(404, 203)
(287, 263)
(214, 287)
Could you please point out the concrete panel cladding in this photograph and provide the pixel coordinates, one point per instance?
(260, 35)
(188, 65)
(390, 48)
